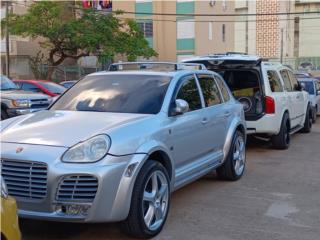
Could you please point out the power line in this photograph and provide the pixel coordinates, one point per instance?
(217, 15)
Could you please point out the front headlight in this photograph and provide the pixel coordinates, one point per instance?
(21, 103)
(4, 191)
(92, 150)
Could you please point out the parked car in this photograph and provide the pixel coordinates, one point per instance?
(275, 105)
(15, 102)
(312, 86)
(114, 146)
(46, 87)
(68, 84)
(9, 224)
(301, 74)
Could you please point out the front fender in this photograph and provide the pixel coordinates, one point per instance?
(122, 203)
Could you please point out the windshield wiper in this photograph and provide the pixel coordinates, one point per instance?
(5, 89)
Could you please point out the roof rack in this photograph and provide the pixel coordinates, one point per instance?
(166, 66)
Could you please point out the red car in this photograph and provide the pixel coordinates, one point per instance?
(47, 87)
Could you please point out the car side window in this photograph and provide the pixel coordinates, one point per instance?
(286, 80)
(293, 80)
(209, 89)
(189, 92)
(223, 88)
(274, 81)
(30, 87)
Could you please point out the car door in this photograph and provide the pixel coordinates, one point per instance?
(187, 130)
(298, 98)
(291, 98)
(216, 116)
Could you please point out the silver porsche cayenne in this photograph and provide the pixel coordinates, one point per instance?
(117, 144)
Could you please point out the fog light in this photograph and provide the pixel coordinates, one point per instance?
(72, 209)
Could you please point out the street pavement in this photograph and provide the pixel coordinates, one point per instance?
(277, 198)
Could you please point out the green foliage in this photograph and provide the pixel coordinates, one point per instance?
(90, 33)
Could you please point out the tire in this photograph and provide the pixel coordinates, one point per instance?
(135, 224)
(314, 115)
(308, 121)
(4, 114)
(282, 140)
(234, 165)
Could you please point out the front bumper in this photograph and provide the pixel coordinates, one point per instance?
(112, 197)
(13, 112)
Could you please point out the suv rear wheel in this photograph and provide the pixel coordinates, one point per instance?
(308, 121)
(282, 139)
(150, 201)
(234, 166)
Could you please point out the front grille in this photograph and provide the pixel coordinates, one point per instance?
(24, 179)
(40, 103)
(80, 188)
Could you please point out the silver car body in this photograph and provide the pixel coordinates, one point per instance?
(188, 145)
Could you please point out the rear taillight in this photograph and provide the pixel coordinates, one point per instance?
(270, 105)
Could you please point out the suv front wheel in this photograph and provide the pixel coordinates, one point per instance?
(150, 201)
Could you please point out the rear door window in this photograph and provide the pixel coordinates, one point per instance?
(209, 89)
(189, 92)
(286, 80)
(274, 81)
(223, 88)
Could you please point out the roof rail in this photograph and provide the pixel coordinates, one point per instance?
(148, 66)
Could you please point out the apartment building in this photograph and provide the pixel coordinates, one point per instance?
(177, 37)
(20, 49)
(291, 37)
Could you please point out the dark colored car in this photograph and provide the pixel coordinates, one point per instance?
(41, 86)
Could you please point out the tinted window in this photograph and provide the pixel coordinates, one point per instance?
(30, 87)
(116, 93)
(286, 80)
(52, 87)
(274, 81)
(223, 88)
(308, 87)
(189, 92)
(293, 80)
(210, 90)
(7, 84)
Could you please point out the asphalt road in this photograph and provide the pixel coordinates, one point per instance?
(278, 198)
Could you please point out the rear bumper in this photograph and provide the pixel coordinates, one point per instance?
(268, 124)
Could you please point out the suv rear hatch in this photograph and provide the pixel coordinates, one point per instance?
(243, 76)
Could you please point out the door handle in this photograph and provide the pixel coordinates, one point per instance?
(204, 120)
(298, 97)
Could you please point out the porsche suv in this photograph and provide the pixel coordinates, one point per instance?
(116, 144)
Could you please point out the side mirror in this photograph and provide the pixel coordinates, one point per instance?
(303, 86)
(318, 92)
(181, 107)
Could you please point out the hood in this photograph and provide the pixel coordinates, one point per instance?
(62, 128)
(20, 94)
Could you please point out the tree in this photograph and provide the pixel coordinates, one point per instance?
(90, 33)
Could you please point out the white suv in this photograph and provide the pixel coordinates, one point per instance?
(274, 103)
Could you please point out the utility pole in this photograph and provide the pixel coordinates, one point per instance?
(281, 48)
(7, 41)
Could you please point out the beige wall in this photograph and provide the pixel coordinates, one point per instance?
(203, 44)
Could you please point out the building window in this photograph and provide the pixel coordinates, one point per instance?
(210, 32)
(146, 28)
(223, 32)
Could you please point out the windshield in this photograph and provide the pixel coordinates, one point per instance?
(7, 84)
(308, 87)
(52, 87)
(123, 93)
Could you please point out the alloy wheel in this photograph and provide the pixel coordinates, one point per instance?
(239, 155)
(155, 200)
